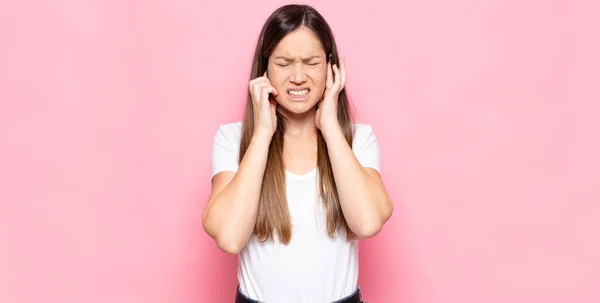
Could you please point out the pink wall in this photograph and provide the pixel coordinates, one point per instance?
(486, 112)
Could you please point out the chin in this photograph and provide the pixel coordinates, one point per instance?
(297, 108)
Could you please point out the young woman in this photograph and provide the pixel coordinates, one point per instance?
(296, 184)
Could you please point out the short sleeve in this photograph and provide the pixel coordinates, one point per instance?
(365, 147)
(225, 149)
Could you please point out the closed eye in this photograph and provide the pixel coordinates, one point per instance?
(285, 65)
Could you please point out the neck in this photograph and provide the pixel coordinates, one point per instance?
(300, 124)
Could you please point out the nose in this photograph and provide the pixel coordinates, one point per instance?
(298, 76)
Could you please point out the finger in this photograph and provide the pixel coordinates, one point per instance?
(257, 90)
(254, 86)
(259, 80)
(256, 93)
(263, 85)
(343, 73)
(264, 95)
(264, 78)
(337, 81)
(268, 89)
(329, 81)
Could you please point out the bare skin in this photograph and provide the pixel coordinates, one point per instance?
(298, 63)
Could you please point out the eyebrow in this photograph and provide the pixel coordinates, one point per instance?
(290, 59)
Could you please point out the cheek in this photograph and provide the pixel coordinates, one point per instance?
(276, 78)
(319, 78)
(273, 74)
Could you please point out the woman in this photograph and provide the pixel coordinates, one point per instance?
(296, 184)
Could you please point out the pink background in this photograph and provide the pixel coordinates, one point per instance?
(486, 113)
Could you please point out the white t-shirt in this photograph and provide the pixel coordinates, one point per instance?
(312, 267)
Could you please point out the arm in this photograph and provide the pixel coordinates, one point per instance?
(364, 200)
(230, 214)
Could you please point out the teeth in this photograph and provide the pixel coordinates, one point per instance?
(299, 92)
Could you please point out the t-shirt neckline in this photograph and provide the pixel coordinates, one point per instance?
(308, 175)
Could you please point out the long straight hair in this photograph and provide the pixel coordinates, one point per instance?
(273, 213)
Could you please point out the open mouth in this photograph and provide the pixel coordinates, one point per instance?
(298, 94)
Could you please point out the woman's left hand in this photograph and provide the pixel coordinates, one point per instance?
(327, 116)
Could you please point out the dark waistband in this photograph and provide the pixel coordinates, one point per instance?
(356, 297)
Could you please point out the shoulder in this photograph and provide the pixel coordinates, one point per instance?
(225, 148)
(230, 131)
(365, 146)
(363, 133)
(228, 137)
(233, 127)
(362, 130)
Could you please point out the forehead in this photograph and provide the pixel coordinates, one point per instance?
(301, 42)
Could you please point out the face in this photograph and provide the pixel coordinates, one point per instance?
(298, 69)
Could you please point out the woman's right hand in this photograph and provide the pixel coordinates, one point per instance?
(265, 118)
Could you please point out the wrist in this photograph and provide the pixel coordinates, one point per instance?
(262, 138)
(331, 130)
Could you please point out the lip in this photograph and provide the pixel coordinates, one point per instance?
(297, 88)
(304, 98)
